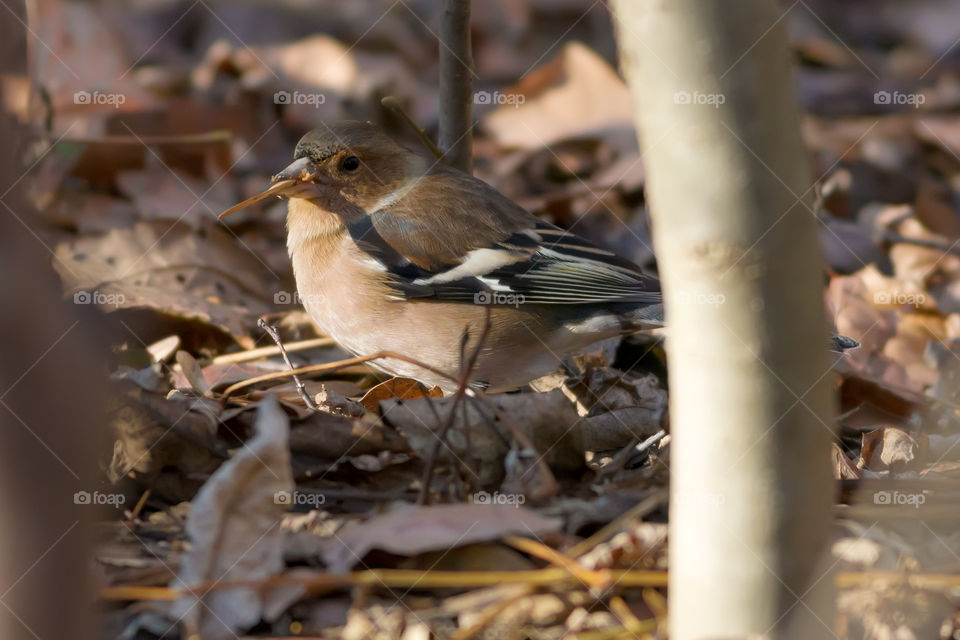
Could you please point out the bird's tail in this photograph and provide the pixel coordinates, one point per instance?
(643, 317)
(651, 316)
(840, 343)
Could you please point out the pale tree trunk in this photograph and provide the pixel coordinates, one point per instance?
(750, 400)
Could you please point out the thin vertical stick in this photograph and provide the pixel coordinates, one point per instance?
(456, 91)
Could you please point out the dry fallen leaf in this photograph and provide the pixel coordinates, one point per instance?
(328, 436)
(399, 388)
(476, 438)
(235, 534)
(98, 58)
(584, 97)
(862, 553)
(201, 274)
(161, 192)
(549, 421)
(409, 530)
(162, 440)
(890, 448)
(843, 467)
(193, 373)
(162, 349)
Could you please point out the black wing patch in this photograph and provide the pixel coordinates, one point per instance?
(543, 265)
(384, 257)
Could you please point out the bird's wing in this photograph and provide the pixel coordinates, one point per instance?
(444, 250)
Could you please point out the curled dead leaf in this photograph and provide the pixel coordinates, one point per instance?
(397, 388)
(235, 533)
(409, 530)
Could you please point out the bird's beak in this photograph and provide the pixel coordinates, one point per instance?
(298, 178)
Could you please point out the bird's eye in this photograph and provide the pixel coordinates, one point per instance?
(350, 163)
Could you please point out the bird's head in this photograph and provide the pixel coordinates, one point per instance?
(348, 168)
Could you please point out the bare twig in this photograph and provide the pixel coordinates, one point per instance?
(589, 577)
(329, 367)
(630, 453)
(652, 440)
(490, 614)
(137, 508)
(644, 507)
(386, 578)
(267, 352)
(549, 577)
(466, 368)
(456, 94)
(272, 331)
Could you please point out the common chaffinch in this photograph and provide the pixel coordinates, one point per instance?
(392, 253)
